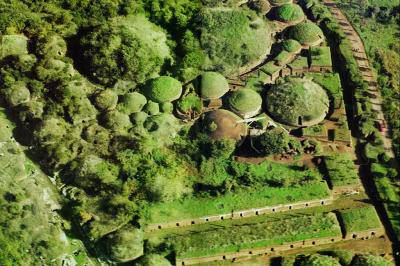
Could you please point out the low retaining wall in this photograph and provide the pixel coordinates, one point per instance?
(363, 235)
(241, 214)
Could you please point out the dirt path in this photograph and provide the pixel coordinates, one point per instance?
(360, 55)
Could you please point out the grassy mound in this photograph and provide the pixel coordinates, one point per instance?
(297, 102)
(245, 102)
(306, 33)
(233, 39)
(223, 124)
(291, 46)
(132, 103)
(213, 85)
(163, 89)
(289, 13)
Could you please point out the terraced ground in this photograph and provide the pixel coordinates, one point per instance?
(273, 233)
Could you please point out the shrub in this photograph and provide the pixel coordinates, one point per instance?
(152, 108)
(166, 107)
(190, 104)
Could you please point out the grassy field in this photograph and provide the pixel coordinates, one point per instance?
(264, 196)
(231, 239)
(360, 219)
(341, 170)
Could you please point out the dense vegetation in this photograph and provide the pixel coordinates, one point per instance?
(126, 105)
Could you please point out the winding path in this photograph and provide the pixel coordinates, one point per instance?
(360, 55)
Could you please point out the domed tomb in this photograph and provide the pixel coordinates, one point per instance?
(297, 102)
(223, 124)
(212, 85)
(289, 13)
(163, 89)
(245, 102)
(306, 33)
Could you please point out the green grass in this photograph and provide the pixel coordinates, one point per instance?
(270, 68)
(299, 62)
(331, 83)
(315, 131)
(361, 219)
(234, 238)
(257, 197)
(320, 56)
(341, 170)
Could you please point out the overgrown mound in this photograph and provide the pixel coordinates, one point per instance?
(297, 102)
(129, 48)
(233, 39)
(222, 124)
(307, 33)
(163, 89)
(289, 13)
(212, 85)
(291, 46)
(245, 102)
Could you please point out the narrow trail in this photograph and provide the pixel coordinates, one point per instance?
(363, 63)
(375, 99)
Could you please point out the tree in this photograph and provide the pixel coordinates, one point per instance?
(369, 260)
(319, 260)
(106, 100)
(94, 173)
(153, 260)
(128, 48)
(273, 141)
(126, 244)
(116, 121)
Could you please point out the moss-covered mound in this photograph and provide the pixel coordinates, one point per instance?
(13, 45)
(297, 102)
(245, 102)
(289, 13)
(128, 48)
(163, 89)
(222, 124)
(132, 103)
(212, 85)
(233, 39)
(306, 33)
(291, 46)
